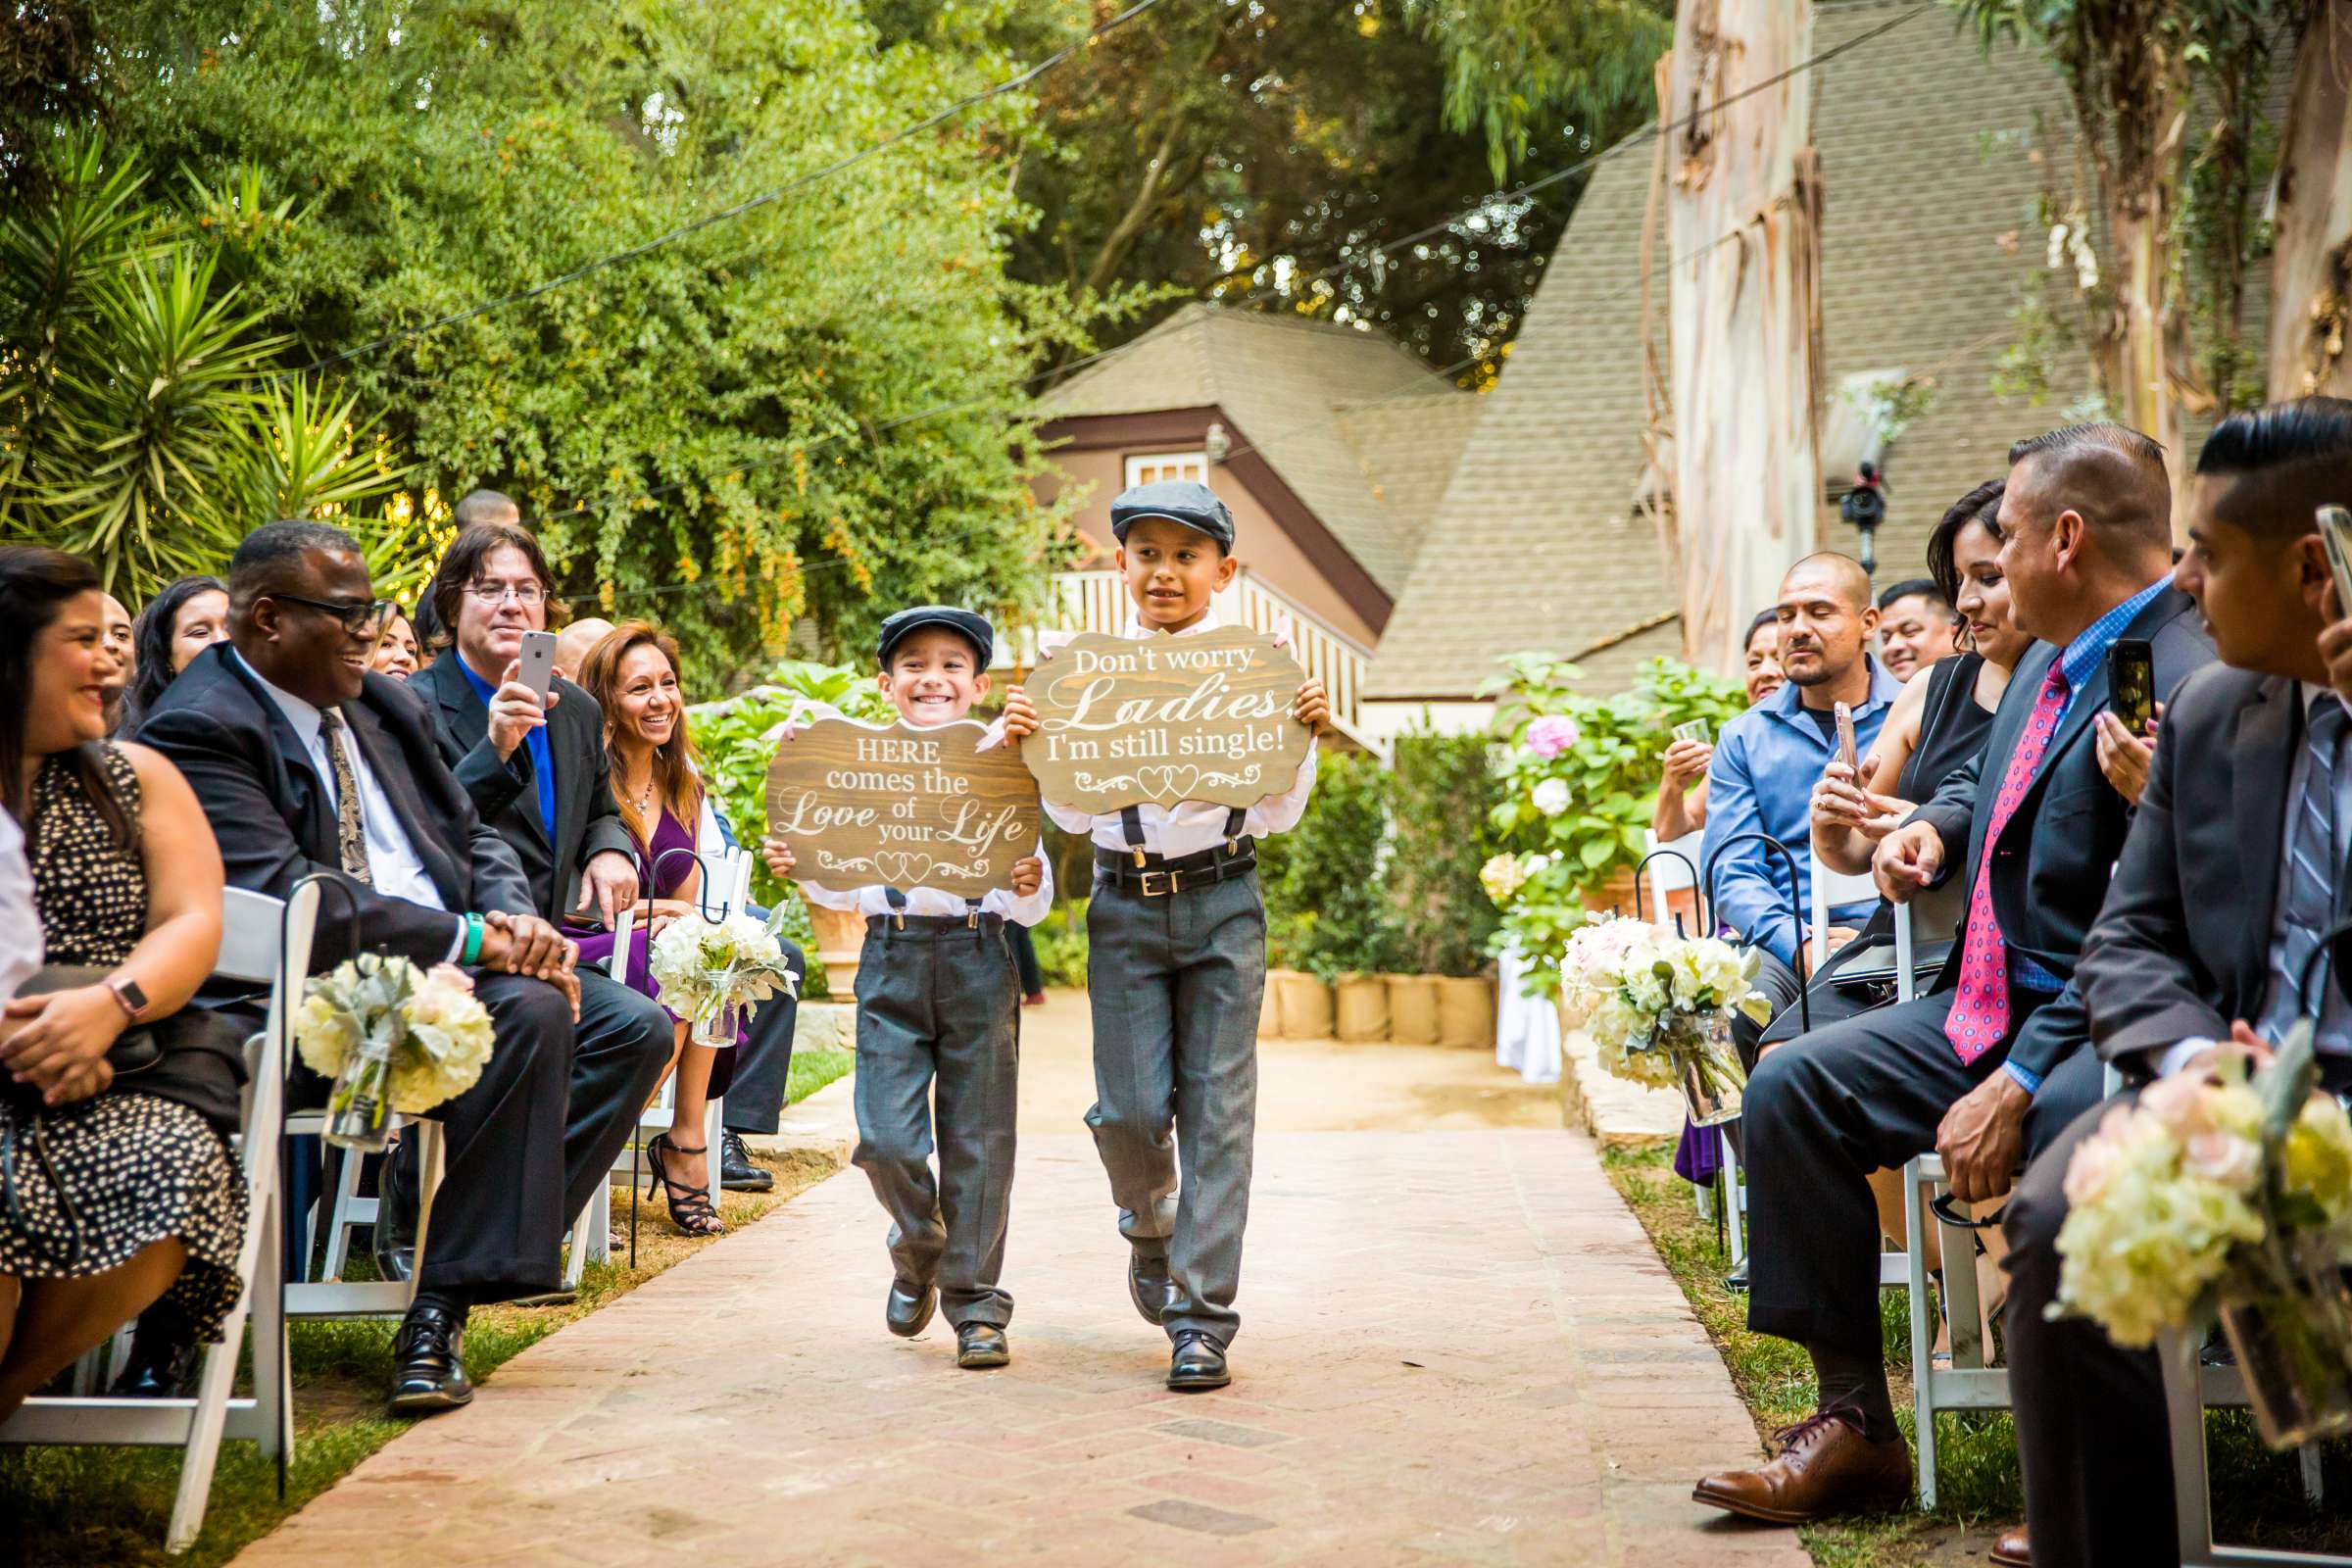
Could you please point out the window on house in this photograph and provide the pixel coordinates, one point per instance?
(1151, 468)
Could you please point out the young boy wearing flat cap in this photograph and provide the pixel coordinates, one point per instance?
(938, 1001)
(1176, 967)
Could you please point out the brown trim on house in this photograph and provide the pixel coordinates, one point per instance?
(1189, 427)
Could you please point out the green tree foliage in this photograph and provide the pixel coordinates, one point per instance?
(140, 420)
(721, 433)
(1235, 151)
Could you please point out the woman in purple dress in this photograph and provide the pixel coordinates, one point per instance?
(634, 675)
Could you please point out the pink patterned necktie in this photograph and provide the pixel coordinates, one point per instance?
(1979, 1016)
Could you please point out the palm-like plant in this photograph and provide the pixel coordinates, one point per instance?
(143, 421)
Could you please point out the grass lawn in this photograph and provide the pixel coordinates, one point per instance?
(73, 1507)
(2259, 1494)
(811, 1070)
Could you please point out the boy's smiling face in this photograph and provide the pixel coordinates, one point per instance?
(934, 678)
(1172, 572)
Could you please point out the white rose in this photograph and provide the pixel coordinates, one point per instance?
(1551, 796)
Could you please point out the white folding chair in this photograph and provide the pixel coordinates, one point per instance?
(263, 941)
(2188, 1387)
(1829, 889)
(1672, 871)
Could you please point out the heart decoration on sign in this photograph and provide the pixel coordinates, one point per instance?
(1168, 785)
(904, 869)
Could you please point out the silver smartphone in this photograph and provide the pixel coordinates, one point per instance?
(538, 662)
(1691, 729)
(1846, 751)
(2335, 532)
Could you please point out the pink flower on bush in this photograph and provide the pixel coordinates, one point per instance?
(1547, 737)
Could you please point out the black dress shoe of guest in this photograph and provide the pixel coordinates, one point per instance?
(396, 1204)
(1197, 1363)
(910, 1308)
(428, 1371)
(1149, 1286)
(162, 1363)
(1737, 1279)
(736, 1172)
(981, 1344)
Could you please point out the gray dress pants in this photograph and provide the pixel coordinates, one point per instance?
(939, 1007)
(1176, 984)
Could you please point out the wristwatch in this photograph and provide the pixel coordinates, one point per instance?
(128, 993)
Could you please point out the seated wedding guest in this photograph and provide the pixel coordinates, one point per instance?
(122, 1194)
(396, 652)
(1991, 1061)
(1767, 759)
(572, 644)
(538, 776)
(185, 616)
(121, 646)
(634, 675)
(1916, 626)
(307, 764)
(2226, 882)
(1682, 807)
(1939, 723)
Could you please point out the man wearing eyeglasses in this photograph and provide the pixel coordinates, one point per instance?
(307, 764)
(537, 774)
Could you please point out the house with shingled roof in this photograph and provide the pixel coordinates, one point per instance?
(1331, 444)
(1933, 159)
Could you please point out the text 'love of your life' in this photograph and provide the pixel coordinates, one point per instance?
(905, 807)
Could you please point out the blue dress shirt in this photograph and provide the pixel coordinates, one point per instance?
(543, 760)
(1766, 763)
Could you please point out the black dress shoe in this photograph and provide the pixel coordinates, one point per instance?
(981, 1344)
(1737, 1279)
(396, 1204)
(428, 1372)
(910, 1308)
(1149, 1286)
(736, 1172)
(1199, 1363)
(163, 1359)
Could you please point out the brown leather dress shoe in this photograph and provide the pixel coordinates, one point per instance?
(1826, 1467)
(2011, 1550)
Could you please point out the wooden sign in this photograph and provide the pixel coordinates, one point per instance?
(901, 807)
(1155, 721)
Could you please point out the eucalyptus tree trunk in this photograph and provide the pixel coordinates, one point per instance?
(1744, 223)
(2137, 137)
(2311, 258)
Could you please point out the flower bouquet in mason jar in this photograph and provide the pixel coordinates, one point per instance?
(2232, 1197)
(393, 1037)
(1658, 1007)
(715, 973)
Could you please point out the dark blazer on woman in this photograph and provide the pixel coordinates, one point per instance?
(506, 794)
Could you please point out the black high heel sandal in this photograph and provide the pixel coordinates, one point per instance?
(690, 1207)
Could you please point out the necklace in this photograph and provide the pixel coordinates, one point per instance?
(644, 798)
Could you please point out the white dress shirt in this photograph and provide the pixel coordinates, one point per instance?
(393, 866)
(874, 899)
(1190, 826)
(2334, 1034)
(19, 926)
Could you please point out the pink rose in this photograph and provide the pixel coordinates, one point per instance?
(450, 974)
(1547, 737)
(2218, 1157)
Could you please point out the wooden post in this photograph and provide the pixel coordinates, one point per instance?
(1743, 221)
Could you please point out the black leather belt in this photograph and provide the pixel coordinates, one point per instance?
(937, 926)
(1159, 877)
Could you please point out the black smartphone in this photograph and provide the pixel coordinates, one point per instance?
(2132, 683)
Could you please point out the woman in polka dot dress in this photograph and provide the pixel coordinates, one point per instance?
(112, 1196)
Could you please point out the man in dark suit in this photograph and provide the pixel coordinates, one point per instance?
(537, 775)
(306, 764)
(2033, 826)
(2228, 877)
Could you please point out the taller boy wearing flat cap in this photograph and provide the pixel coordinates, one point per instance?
(939, 1014)
(1176, 967)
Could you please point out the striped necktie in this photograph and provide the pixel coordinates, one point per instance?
(2309, 868)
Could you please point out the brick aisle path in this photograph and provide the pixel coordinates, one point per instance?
(1457, 1347)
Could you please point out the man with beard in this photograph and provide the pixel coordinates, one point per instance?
(1767, 759)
